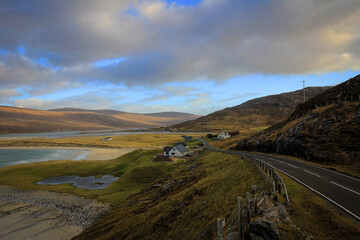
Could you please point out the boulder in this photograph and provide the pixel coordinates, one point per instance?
(265, 229)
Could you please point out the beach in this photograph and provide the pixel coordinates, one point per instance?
(43, 215)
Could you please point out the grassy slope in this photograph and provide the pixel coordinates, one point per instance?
(253, 115)
(121, 141)
(199, 194)
(316, 216)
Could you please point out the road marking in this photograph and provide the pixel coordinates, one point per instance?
(292, 165)
(312, 173)
(279, 161)
(345, 187)
(337, 204)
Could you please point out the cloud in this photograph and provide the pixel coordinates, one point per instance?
(169, 42)
(238, 96)
(7, 93)
(92, 100)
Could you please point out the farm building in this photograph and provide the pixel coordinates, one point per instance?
(223, 135)
(178, 150)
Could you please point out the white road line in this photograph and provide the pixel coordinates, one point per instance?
(279, 161)
(345, 187)
(337, 204)
(312, 173)
(292, 165)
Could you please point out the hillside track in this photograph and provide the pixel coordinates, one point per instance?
(337, 188)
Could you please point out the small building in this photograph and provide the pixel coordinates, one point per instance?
(107, 139)
(182, 143)
(167, 150)
(178, 150)
(223, 135)
(187, 138)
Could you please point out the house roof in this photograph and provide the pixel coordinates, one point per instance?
(180, 143)
(167, 149)
(180, 148)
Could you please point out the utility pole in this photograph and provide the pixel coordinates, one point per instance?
(304, 90)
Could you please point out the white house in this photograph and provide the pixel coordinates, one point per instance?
(223, 135)
(177, 151)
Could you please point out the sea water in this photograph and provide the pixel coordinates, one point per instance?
(19, 156)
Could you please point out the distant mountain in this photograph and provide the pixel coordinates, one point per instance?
(257, 113)
(18, 120)
(324, 129)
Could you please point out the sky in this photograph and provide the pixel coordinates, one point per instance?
(195, 56)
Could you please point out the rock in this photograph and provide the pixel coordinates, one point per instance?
(263, 203)
(255, 237)
(201, 235)
(265, 229)
(276, 214)
(232, 236)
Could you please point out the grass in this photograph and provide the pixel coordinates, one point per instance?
(316, 216)
(121, 141)
(190, 200)
(135, 171)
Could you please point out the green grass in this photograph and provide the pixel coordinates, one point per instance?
(135, 171)
(201, 191)
(316, 216)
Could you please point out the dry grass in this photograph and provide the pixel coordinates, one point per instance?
(315, 216)
(145, 141)
(200, 192)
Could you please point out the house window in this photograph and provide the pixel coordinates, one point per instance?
(173, 153)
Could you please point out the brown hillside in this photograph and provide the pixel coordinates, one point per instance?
(324, 129)
(257, 113)
(16, 120)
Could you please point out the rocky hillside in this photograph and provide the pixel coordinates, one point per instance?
(18, 120)
(257, 113)
(324, 129)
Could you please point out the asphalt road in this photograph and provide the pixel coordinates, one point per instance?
(341, 190)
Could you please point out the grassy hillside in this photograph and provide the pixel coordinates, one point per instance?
(15, 120)
(183, 205)
(325, 129)
(253, 115)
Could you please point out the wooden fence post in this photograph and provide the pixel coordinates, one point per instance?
(248, 207)
(269, 183)
(240, 217)
(220, 228)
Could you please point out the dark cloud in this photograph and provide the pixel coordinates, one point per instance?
(216, 39)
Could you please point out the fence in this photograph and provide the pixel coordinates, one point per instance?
(239, 221)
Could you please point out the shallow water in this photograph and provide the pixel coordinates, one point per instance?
(90, 183)
(15, 156)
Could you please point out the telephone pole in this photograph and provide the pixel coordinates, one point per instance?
(304, 90)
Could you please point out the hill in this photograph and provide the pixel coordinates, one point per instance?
(19, 120)
(325, 129)
(253, 114)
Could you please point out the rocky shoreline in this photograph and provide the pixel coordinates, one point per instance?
(75, 210)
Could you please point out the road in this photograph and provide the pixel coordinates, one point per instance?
(341, 190)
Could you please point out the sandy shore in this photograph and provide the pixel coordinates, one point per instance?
(43, 215)
(93, 154)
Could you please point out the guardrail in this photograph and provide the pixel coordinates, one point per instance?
(240, 218)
